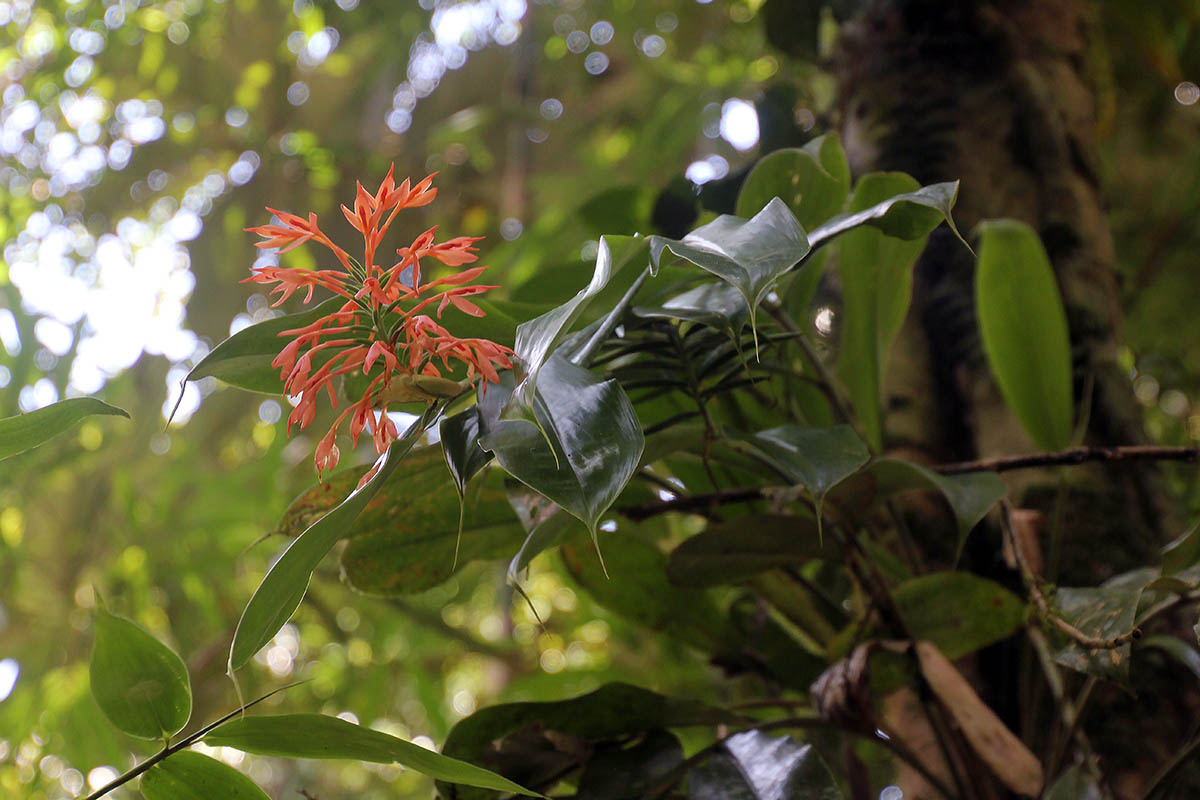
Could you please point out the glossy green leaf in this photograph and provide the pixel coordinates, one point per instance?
(958, 611)
(813, 181)
(749, 254)
(828, 150)
(731, 552)
(970, 495)
(876, 271)
(1104, 612)
(139, 683)
(640, 592)
(244, 359)
(816, 458)
(189, 775)
(536, 338)
(588, 447)
(619, 773)
(27, 431)
(906, 216)
(524, 740)
(716, 304)
(283, 587)
(754, 766)
(1024, 330)
(459, 437)
(321, 736)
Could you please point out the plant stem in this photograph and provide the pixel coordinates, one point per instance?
(1072, 457)
(182, 744)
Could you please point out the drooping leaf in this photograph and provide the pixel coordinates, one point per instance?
(970, 495)
(958, 611)
(1024, 330)
(754, 766)
(716, 304)
(140, 684)
(749, 254)
(523, 740)
(321, 736)
(459, 436)
(1104, 611)
(640, 592)
(27, 431)
(283, 587)
(816, 458)
(813, 181)
(620, 773)
(731, 552)
(906, 216)
(588, 445)
(189, 775)
(244, 359)
(537, 337)
(876, 271)
(1006, 755)
(410, 539)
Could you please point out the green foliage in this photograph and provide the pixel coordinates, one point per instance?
(766, 521)
(194, 776)
(138, 682)
(584, 448)
(281, 591)
(959, 612)
(876, 271)
(319, 736)
(27, 431)
(1024, 330)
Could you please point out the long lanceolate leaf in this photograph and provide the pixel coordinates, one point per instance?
(876, 271)
(281, 591)
(320, 736)
(1024, 330)
(27, 431)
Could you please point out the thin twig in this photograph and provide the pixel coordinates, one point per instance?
(1039, 599)
(692, 503)
(1072, 457)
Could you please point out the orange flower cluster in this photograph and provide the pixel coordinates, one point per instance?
(380, 323)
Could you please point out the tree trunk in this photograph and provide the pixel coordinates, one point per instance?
(999, 95)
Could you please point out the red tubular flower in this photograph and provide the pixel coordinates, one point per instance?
(374, 332)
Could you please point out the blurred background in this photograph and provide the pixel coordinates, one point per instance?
(139, 139)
